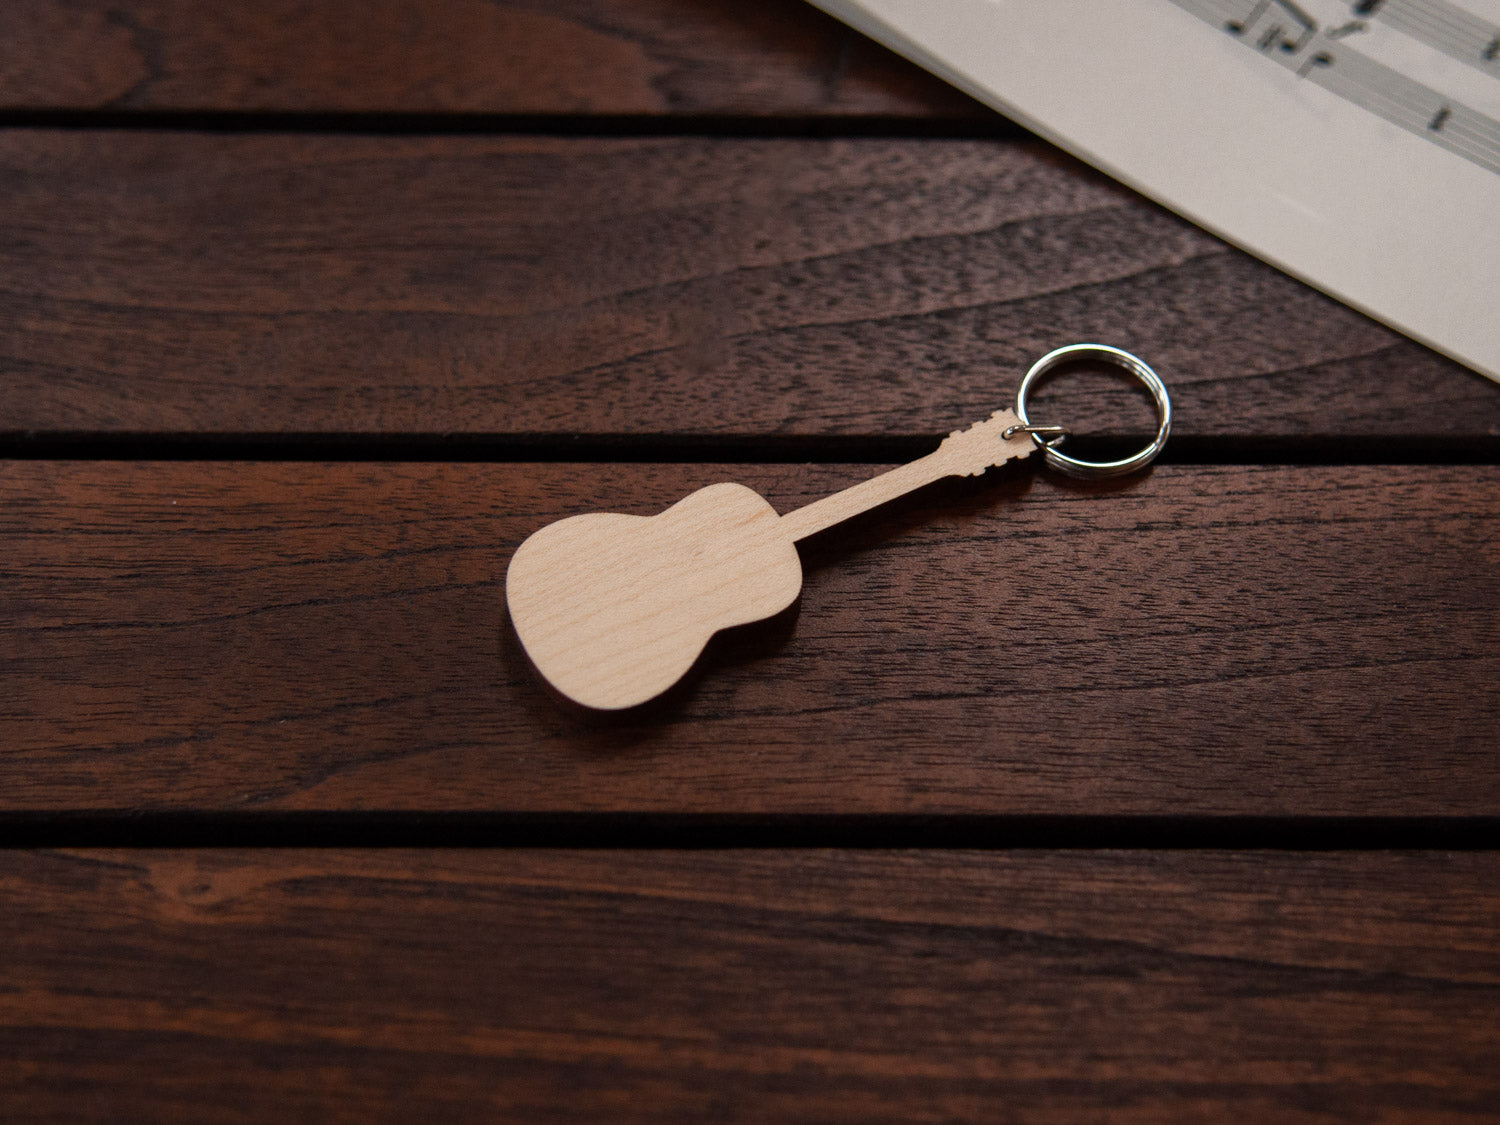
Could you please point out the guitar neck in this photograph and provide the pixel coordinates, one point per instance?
(865, 495)
(963, 453)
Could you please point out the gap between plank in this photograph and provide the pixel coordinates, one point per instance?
(1403, 449)
(401, 124)
(708, 831)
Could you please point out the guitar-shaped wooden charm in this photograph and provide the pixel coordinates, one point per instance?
(614, 609)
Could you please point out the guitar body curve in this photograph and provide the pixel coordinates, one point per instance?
(614, 609)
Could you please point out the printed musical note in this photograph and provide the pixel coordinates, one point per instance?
(1266, 26)
(1319, 58)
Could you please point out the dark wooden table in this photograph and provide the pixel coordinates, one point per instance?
(1170, 799)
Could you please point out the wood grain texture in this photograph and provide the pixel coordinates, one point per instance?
(739, 986)
(1232, 640)
(212, 284)
(657, 57)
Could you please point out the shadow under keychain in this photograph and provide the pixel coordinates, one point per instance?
(614, 609)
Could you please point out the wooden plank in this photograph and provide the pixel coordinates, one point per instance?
(737, 986)
(1209, 640)
(213, 284)
(649, 57)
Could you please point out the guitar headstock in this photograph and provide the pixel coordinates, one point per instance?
(984, 445)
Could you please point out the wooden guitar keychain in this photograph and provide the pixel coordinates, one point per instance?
(614, 609)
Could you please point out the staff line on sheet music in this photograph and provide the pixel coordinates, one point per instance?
(1280, 30)
(1458, 138)
(1442, 26)
(1457, 119)
(1429, 22)
(1431, 14)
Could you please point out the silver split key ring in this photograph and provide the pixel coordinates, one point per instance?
(1048, 438)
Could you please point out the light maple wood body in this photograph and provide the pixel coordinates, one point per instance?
(614, 609)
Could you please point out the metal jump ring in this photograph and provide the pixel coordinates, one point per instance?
(1073, 466)
(1056, 433)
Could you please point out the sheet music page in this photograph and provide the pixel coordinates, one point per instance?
(1353, 143)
